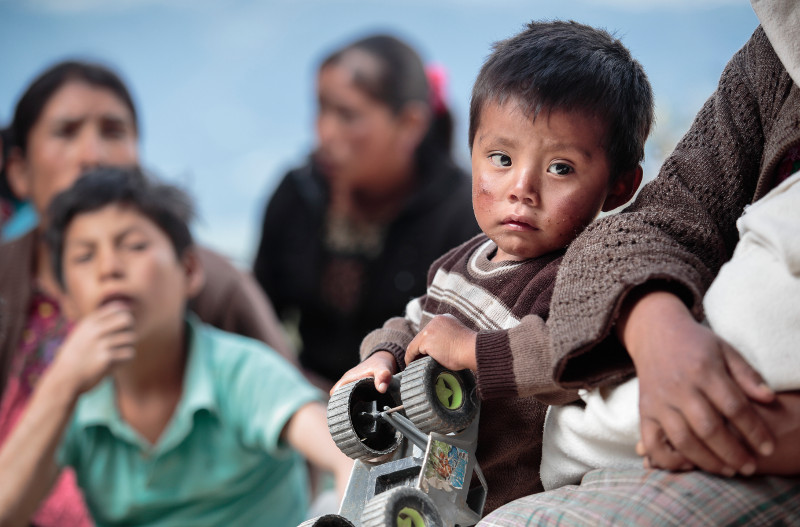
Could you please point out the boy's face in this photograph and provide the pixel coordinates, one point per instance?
(536, 184)
(118, 254)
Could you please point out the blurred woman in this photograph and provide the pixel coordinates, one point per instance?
(348, 237)
(72, 117)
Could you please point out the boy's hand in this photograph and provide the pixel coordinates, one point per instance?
(448, 341)
(101, 340)
(693, 391)
(380, 365)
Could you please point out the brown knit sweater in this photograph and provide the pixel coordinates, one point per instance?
(507, 303)
(682, 227)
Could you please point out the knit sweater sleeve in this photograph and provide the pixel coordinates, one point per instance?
(516, 362)
(678, 232)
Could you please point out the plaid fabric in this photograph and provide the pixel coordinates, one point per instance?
(637, 497)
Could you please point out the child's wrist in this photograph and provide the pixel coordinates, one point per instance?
(60, 384)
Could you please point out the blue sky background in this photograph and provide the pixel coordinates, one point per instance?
(225, 90)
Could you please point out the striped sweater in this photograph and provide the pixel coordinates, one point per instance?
(507, 303)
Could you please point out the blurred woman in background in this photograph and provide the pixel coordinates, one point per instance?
(348, 237)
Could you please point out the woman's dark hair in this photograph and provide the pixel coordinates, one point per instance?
(33, 101)
(165, 205)
(401, 79)
(5, 148)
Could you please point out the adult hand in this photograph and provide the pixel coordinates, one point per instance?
(101, 340)
(783, 417)
(448, 341)
(380, 365)
(694, 390)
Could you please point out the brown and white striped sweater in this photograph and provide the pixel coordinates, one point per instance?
(507, 303)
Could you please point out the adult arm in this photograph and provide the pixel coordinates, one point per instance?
(675, 237)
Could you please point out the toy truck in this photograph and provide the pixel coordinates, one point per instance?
(414, 448)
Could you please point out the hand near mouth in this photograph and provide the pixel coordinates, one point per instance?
(100, 341)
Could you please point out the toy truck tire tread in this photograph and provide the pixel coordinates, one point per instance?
(383, 509)
(340, 425)
(329, 520)
(418, 393)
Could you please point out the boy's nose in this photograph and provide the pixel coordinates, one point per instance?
(525, 188)
(109, 264)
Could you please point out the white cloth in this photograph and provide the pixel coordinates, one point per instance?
(753, 303)
(604, 434)
(781, 22)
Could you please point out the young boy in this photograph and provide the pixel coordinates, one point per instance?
(166, 421)
(558, 121)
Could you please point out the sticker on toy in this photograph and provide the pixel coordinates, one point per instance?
(446, 467)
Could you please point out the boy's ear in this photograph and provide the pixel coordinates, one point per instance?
(17, 171)
(623, 189)
(195, 274)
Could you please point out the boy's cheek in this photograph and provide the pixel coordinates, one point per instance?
(69, 309)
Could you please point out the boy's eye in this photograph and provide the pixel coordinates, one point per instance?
(500, 160)
(136, 246)
(83, 257)
(561, 169)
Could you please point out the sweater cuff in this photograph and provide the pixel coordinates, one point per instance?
(399, 353)
(495, 374)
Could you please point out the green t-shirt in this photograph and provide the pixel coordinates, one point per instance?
(219, 461)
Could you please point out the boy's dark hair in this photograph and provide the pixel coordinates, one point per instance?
(569, 66)
(41, 90)
(165, 205)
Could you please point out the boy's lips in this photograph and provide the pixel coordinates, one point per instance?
(519, 222)
(117, 297)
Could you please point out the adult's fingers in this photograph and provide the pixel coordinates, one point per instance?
(656, 448)
(748, 379)
(682, 437)
(725, 395)
(710, 426)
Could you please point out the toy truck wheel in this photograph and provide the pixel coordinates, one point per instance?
(329, 520)
(354, 425)
(437, 399)
(401, 507)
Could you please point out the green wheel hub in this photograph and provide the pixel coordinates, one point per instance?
(409, 517)
(448, 391)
